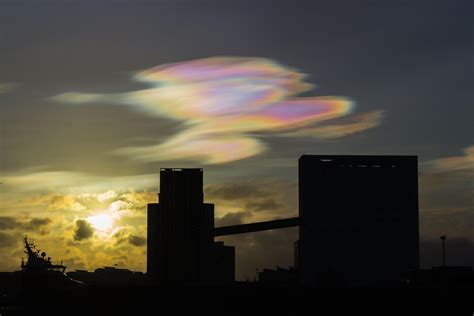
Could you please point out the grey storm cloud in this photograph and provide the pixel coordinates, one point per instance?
(24, 224)
(122, 236)
(83, 230)
(136, 240)
(235, 218)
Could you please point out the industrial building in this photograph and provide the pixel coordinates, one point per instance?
(359, 219)
(181, 248)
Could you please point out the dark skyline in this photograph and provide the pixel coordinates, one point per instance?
(67, 168)
(358, 223)
(357, 218)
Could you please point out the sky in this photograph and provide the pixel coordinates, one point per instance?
(97, 96)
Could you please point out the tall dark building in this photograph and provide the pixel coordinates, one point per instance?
(180, 231)
(359, 218)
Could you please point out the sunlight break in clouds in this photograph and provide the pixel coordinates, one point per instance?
(222, 101)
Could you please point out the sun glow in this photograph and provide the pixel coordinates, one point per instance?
(101, 222)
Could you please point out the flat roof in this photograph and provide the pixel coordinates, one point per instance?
(180, 169)
(357, 156)
(361, 159)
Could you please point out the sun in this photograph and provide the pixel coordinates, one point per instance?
(102, 222)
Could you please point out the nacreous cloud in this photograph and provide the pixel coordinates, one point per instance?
(222, 101)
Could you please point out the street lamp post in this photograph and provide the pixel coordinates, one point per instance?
(443, 238)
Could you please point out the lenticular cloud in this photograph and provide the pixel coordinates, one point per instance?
(223, 101)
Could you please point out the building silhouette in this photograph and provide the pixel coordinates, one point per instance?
(181, 248)
(358, 227)
(359, 219)
(278, 277)
(108, 276)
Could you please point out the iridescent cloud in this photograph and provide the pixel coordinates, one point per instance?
(354, 124)
(222, 101)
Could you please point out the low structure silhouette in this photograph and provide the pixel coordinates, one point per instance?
(278, 277)
(108, 276)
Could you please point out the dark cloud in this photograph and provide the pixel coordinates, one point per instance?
(122, 236)
(233, 219)
(83, 230)
(38, 225)
(7, 240)
(7, 223)
(234, 191)
(269, 197)
(136, 240)
(267, 204)
(459, 252)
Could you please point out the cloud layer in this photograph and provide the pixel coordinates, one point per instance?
(83, 230)
(222, 102)
(464, 163)
(24, 225)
